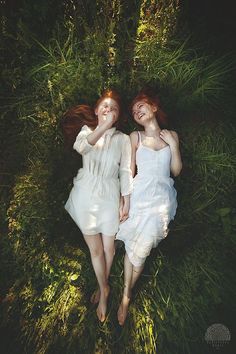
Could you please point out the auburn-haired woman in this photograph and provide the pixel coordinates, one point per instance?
(153, 204)
(94, 201)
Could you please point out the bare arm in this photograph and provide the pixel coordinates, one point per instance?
(134, 146)
(97, 133)
(172, 139)
(126, 180)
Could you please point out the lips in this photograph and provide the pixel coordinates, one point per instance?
(140, 115)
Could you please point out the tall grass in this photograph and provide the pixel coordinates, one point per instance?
(193, 81)
(182, 284)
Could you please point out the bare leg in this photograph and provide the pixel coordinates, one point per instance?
(136, 274)
(109, 252)
(131, 275)
(95, 245)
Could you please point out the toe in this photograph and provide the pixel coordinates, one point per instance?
(102, 318)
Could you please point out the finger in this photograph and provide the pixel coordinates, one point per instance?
(125, 217)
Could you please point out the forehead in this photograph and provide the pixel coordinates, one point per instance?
(135, 106)
(109, 101)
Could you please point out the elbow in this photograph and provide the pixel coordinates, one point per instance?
(82, 147)
(78, 148)
(177, 171)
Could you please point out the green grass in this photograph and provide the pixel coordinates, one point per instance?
(47, 277)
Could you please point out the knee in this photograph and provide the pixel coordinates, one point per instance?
(96, 252)
(109, 249)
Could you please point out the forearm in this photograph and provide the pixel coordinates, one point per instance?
(176, 162)
(121, 201)
(133, 167)
(97, 133)
(124, 211)
(126, 199)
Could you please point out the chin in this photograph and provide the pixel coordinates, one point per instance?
(142, 121)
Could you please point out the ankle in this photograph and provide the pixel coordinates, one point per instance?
(127, 295)
(105, 289)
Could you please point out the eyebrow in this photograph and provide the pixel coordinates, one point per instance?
(112, 105)
(136, 107)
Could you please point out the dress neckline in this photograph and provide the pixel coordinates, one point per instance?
(109, 131)
(146, 147)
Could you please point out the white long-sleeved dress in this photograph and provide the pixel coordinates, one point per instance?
(93, 202)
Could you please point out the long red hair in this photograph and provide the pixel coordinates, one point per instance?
(78, 116)
(147, 95)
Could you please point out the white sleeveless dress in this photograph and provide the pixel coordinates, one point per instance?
(152, 204)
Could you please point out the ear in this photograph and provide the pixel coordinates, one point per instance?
(96, 111)
(154, 108)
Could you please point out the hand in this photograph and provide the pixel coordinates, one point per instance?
(124, 211)
(169, 137)
(111, 118)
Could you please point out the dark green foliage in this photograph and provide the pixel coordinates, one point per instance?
(47, 277)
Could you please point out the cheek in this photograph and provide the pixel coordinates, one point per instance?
(137, 120)
(100, 110)
(116, 115)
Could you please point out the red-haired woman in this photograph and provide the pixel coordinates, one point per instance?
(95, 197)
(153, 203)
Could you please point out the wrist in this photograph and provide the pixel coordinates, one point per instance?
(174, 147)
(126, 201)
(107, 124)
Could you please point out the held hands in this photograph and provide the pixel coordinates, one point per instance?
(124, 208)
(170, 138)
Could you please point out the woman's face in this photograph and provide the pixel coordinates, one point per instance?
(143, 112)
(107, 106)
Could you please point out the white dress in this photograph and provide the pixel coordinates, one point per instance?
(152, 204)
(94, 199)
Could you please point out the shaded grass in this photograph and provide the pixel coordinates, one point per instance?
(46, 303)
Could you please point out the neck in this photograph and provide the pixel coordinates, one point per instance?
(152, 128)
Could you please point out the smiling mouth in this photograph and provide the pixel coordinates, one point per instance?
(140, 115)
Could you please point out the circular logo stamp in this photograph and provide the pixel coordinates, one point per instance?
(217, 335)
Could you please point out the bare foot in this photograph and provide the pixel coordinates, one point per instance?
(123, 310)
(95, 297)
(102, 306)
